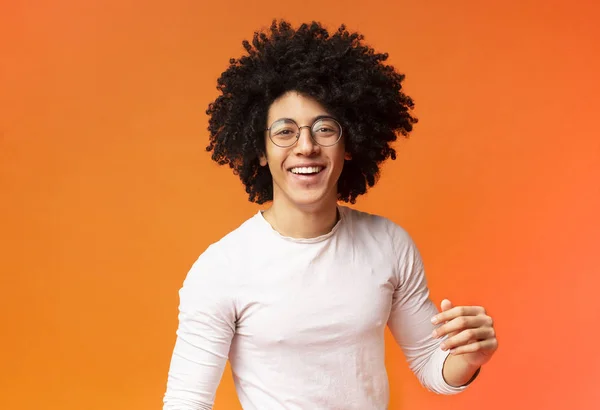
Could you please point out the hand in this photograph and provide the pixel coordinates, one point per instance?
(470, 331)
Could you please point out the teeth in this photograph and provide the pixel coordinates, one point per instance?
(306, 170)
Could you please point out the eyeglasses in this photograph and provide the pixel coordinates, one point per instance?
(325, 131)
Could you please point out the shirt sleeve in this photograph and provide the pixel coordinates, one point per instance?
(206, 328)
(410, 319)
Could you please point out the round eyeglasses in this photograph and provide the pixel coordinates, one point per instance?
(325, 131)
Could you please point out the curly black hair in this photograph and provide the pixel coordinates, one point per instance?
(343, 74)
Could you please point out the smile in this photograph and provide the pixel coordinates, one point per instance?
(306, 170)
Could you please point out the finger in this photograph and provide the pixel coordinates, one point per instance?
(446, 305)
(461, 323)
(456, 312)
(488, 345)
(467, 336)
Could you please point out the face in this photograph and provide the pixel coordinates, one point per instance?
(305, 175)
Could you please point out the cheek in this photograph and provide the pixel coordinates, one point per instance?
(338, 157)
(274, 158)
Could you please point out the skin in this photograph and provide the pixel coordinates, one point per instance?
(306, 208)
(302, 209)
(471, 339)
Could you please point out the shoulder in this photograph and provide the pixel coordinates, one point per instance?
(216, 262)
(236, 242)
(384, 237)
(378, 225)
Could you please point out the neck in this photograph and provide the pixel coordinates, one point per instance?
(302, 223)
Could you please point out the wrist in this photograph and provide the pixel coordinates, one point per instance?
(457, 372)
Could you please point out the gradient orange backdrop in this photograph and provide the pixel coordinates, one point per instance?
(107, 195)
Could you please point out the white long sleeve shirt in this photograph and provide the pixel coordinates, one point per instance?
(302, 320)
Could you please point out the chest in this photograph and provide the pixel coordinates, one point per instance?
(315, 304)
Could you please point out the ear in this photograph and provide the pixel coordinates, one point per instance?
(262, 160)
(347, 156)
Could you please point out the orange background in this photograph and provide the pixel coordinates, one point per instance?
(107, 195)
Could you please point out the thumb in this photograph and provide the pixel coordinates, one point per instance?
(446, 305)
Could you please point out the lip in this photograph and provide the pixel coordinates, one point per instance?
(308, 165)
(312, 178)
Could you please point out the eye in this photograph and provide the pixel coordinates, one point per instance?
(326, 126)
(285, 132)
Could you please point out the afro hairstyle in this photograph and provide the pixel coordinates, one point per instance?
(339, 71)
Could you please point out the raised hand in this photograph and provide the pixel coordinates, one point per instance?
(470, 332)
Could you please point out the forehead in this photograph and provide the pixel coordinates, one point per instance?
(297, 106)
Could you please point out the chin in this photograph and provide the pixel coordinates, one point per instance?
(312, 200)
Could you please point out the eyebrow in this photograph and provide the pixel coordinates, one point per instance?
(312, 120)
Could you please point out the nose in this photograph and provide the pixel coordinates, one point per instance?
(306, 145)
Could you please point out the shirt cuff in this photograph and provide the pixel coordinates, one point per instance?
(441, 386)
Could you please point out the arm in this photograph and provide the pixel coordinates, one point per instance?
(457, 372)
(469, 337)
(410, 319)
(206, 328)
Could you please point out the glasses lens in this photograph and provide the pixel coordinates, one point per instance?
(283, 133)
(326, 131)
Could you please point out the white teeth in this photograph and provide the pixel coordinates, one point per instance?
(306, 170)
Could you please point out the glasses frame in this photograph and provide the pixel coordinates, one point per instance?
(310, 128)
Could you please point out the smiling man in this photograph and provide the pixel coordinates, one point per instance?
(306, 162)
(298, 297)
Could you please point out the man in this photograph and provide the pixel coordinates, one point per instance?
(298, 297)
